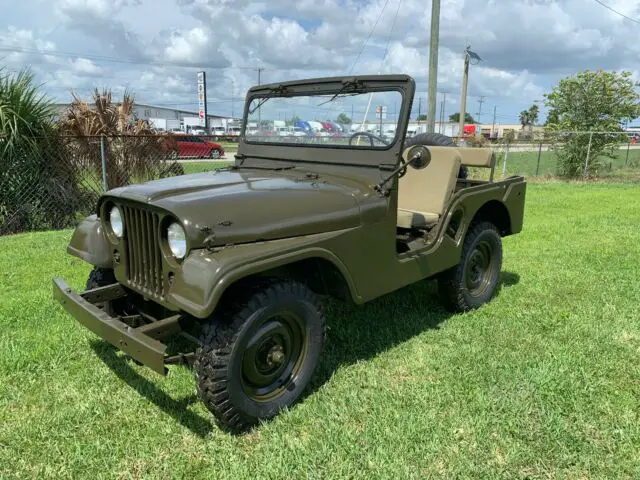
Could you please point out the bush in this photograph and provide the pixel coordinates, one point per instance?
(133, 150)
(571, 151)
(37, 191)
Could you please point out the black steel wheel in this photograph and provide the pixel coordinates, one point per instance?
(258, 355)
(474, 281)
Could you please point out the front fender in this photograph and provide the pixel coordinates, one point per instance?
(88, 243)
(203, 277)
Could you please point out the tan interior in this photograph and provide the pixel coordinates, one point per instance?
(423, 194)
(478, 157)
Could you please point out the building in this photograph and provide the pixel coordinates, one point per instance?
(168, 118)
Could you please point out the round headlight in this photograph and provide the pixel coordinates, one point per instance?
(177, 240)
(115, 219)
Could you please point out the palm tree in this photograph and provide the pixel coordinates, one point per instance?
(133, 150)
(36, 187)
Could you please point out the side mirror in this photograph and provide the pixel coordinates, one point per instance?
(419, 157)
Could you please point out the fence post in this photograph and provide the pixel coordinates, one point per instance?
(538, 163)
(103, 158)
(626, 160)
(504, 162)
(586, 162)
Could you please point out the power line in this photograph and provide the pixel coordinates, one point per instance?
(386, 48)
(370, 33)
(103, 58)
(616, 11)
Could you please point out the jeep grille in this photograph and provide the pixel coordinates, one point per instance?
(144, 259)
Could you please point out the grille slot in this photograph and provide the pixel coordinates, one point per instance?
(144, 262)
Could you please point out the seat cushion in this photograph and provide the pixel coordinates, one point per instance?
(412, 219)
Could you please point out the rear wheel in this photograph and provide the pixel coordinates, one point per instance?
(258, 355)
(215, 153)
(474, 281)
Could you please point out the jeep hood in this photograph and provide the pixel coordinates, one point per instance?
(238, 206)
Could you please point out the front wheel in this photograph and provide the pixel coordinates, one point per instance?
(102, 277)
(215, 153)
(474, 281)
(258, 355)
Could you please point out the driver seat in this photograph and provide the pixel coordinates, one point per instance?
(424, 194)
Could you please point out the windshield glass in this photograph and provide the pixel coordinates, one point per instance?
(363, 120)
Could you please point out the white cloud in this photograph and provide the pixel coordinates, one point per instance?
(83, 66)
(526, 45)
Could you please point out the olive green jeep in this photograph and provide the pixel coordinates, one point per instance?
(236, 260)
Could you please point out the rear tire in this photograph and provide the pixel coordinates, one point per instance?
(474, 281)
(258, 355)
(215, 154)
(434, 140)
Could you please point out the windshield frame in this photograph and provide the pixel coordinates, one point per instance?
(365, 146)
(334, 153)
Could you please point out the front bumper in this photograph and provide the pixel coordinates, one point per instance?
(133, 342)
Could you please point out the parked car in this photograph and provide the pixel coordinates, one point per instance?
(218, 131)
(196, 147)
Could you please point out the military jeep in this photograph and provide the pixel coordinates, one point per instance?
(236, 261)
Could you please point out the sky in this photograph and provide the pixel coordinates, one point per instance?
(155, 47)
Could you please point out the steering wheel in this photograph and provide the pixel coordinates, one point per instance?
(370, 136)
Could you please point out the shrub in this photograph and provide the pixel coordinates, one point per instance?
(37, 190)
(133, 150)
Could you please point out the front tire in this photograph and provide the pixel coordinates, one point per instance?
(474, 281)
(101, 277)
(215, 154)
(258, 355)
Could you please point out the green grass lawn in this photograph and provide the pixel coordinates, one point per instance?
(526, 163)
(543, 382)
(198, 167)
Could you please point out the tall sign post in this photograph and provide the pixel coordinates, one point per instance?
(202, 99)
(381, 111)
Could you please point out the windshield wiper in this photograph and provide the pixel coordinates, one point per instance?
(287, 167)
(260, 103)
(280, 90)
(348, 84)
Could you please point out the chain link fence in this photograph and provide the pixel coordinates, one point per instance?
(577, 155)
(52, 183)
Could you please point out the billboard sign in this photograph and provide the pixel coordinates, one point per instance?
(202, 98)
(381, 112)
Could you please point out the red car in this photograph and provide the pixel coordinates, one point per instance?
(198, 147)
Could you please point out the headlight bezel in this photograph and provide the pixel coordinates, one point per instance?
(109, 210)
(169, 251)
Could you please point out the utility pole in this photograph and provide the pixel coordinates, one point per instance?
(433, 65)
(444, 104)
(493, 126)
(259, 109)
(233, 89)
(480, 102)
(419, 107)
(463, 94)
